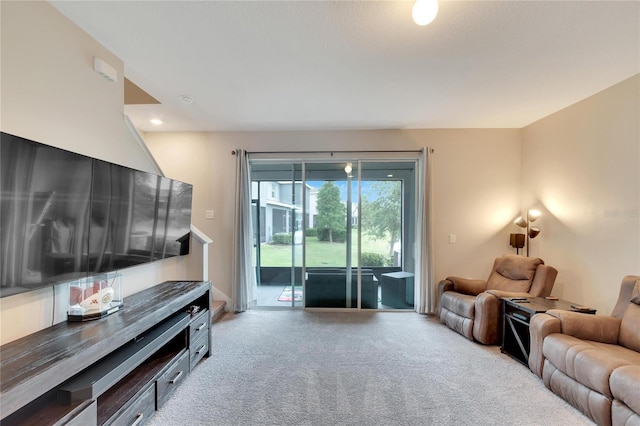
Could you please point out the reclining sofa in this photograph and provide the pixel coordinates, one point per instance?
(593, 361)
(473, 307)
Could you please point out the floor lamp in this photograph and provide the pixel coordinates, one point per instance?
(532, 231)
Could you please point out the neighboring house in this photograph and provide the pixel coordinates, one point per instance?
(278, 203)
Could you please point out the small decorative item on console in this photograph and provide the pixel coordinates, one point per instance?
(94, 297)
(193, 310)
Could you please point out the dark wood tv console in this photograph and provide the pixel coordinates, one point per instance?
(115, 370)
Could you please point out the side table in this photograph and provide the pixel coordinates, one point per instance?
(517, 313)
(397, 289)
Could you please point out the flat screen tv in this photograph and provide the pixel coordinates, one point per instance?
(65, 216)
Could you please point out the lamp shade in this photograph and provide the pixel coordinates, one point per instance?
(534, 231)
(516, 240)
(532, 215)
(521, 222)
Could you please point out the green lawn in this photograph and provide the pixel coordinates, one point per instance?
(320, 253)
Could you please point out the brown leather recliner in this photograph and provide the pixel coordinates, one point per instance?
(593, 361)
(473, 307)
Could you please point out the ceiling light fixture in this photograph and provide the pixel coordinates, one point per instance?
(156, 121)
(424, 11)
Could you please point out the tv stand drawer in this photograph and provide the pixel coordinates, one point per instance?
(140, 410)
(171, 378)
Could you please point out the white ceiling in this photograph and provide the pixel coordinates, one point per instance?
(310, 65)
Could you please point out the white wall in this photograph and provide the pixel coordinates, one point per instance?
(476, 185)
(51, 94)
(581, 168)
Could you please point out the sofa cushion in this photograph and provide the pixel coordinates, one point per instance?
(592, 404)
(456, 322)
(589, 363)
(621, 415)
(629, 335)
(460, 304)
(625, 386)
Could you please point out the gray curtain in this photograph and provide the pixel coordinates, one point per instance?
(243, 284)
(425, 294)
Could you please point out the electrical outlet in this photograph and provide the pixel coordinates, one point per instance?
(209, 214)
(452, 238)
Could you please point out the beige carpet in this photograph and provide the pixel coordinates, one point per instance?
(381, 368)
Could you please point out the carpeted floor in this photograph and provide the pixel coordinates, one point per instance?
(379, 368)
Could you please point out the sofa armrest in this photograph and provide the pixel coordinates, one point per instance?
(487, 320)
(468, 285)
(444, 285)
(582, 326)
(540, 326)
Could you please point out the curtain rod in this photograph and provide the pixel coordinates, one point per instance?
(431, 150)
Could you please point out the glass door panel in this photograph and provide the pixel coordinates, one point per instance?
(388, 229)
(277, 196)
(331, 267)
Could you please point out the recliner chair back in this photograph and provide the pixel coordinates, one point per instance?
(513, 273)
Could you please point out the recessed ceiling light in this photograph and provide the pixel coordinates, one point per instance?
(156, 121)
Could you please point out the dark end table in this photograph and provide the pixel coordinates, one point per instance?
(397, 289)
(517, 314)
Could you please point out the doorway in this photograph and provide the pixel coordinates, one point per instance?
(334, 234)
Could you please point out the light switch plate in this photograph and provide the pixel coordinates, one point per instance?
(209, 214)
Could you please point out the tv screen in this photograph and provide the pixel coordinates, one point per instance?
(64, 216)
(44, 211)
(178, 222)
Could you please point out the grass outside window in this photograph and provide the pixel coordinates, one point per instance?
(321, 253)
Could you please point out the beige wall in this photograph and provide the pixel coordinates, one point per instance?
(581, 167)
(476, 185)
(50, 93)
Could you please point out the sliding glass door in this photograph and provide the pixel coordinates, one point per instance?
(335, 233)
